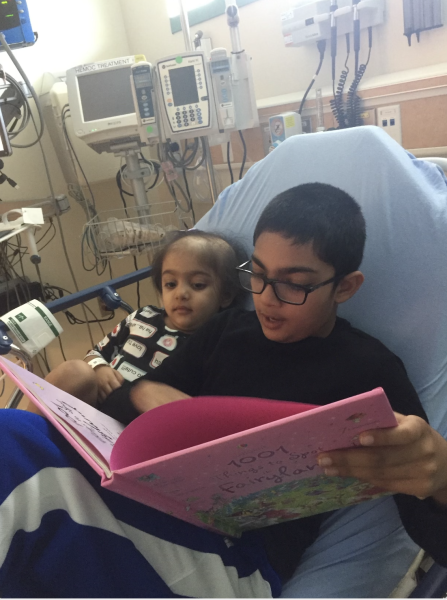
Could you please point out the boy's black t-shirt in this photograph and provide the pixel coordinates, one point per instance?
(231, 356)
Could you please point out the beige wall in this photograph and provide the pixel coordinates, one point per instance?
(278, 70)
(415, 77)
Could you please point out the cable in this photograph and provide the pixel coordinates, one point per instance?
(62, 349)
(189, 197)
(31, 89)
(71, 318)
(229, 163)
(354, 119)
(356, 34)
(65, 111)
(64, 245)
(244, 157)
(333, 8)
(321, 45)
(184, 162)
(337, 103)
(138, 284)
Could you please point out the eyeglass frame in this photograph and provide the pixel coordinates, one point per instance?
(308, 289)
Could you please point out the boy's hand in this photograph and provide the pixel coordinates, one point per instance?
(108, 380)
(409, 459)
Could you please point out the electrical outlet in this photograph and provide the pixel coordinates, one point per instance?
(306, 123)
(368, 116)
(388, 118)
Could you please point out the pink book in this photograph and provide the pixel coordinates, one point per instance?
(227, 464)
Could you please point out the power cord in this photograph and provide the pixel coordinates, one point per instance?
(229, 162)
(321, 45)
(244, 156)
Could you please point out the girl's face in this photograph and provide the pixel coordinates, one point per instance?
(190, 290)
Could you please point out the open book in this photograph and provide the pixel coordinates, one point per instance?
(223, 463)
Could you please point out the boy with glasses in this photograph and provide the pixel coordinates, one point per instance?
(308, 246)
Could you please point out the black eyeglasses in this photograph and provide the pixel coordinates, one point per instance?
(290, 293)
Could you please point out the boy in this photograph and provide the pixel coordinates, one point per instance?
(308, 247)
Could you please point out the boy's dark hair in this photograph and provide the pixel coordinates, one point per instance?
(219, 253)
(323, 215)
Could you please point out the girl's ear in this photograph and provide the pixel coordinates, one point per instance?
(226, 300)
(348, 286)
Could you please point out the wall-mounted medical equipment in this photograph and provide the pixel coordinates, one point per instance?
(15, 23)
(311, 22)
(284, 126)
(242, 78)
(101, 103)
(421, 15)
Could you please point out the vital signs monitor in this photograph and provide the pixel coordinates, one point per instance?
(101, 103)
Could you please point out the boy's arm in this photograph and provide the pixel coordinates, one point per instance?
(409, 460)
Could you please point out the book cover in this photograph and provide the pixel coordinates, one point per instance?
(227, 464)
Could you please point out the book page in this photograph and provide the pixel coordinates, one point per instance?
(101, 431)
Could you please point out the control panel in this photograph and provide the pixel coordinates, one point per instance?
(143, 88)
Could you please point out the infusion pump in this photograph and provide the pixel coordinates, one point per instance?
(188, 95)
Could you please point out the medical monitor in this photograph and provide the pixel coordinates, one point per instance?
(101, 103)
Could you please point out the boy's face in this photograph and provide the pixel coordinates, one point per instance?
(277, 257)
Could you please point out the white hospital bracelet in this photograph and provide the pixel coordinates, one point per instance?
(96, 362)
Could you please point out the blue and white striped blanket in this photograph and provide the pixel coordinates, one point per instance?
(62, 535)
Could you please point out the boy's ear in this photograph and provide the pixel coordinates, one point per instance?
(348, 286)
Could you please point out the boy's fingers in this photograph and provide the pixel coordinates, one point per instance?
(409, 430)
(376, 459)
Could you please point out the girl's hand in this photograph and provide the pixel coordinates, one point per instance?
(408, 459)
(108, 380)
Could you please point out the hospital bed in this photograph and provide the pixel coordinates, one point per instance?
(403, 303)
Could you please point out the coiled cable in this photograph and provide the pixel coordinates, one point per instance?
(337, 103)
(353, 102)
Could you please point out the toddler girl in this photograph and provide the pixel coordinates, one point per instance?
(195, 275)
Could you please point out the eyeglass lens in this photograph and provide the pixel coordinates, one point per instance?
(284, 291)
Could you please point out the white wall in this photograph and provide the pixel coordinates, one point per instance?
(279, 70)
(71, 32)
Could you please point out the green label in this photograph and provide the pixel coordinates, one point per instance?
(20, 317)
(47, 321)
(149, 129)
(17, 330)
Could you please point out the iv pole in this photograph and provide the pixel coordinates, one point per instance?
(206, 146)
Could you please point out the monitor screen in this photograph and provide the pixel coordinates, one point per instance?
(106, 94)
(184, 87)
